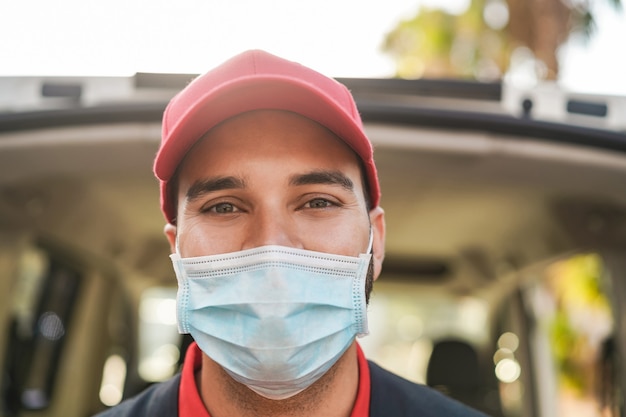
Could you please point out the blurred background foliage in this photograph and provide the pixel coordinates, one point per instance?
(489, 38)
(582, 322)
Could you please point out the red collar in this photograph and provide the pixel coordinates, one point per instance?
(190, 404)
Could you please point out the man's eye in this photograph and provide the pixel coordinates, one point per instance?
(319, 203)
(223, 208)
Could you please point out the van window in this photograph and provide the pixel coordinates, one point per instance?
(566, 355)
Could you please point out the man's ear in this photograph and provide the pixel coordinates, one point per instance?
(170, 233)
(377, 220)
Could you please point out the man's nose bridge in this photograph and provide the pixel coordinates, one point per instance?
(273, 229)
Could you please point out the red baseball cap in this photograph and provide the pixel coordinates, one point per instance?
(256, 80)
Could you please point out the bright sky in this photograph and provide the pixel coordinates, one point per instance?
(337, 37)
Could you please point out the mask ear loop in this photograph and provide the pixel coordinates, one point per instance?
(370, 244)
(177, 246)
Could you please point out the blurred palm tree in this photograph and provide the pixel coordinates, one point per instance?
(482, 42)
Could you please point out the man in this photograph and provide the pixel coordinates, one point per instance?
(271, 195)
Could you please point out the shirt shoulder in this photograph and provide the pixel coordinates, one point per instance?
(159, 400)
(392, 395)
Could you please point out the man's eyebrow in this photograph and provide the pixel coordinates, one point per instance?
(323, 177)
(204, 186)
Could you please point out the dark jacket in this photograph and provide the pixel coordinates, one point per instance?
(391, 396)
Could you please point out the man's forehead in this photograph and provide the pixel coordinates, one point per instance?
(227, 149)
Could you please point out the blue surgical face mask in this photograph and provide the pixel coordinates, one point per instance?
(275, 318)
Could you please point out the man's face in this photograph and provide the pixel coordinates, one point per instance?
(273, 178)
